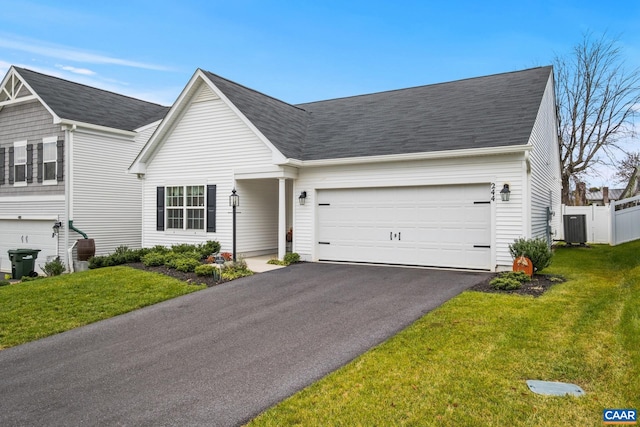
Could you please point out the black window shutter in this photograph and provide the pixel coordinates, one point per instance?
(160, 208)
(11, 165)
(211, 208)
(29, 163)
(40, 161)
(60, 160)
(1, 165)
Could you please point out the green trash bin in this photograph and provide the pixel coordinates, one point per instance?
(23, 262)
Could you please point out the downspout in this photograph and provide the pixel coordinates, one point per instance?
(68, 143)
(71, 227)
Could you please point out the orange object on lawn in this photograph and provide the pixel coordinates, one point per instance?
(523, 264)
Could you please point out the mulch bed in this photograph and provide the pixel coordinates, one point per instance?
(539, 284)
(192, 278)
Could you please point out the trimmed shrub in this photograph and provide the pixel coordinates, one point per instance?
(510, 280)
(4, 282)
(291, 258)
(97, 261)
(154, 259)
(536, 250)
(187, 264)
(235, 273)
(209, 247)
(54, 267)
(208, 270)
(234, 270)
(505, 283)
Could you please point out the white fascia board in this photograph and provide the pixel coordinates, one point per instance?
(25, 199)
(30, 217)
(138, 168)
(278, 157)
(266, 172)
(88, 128)
(432, 155)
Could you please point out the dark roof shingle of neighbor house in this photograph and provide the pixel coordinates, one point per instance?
(86, 104)
(490, 111)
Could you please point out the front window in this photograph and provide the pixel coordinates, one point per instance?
(20, 162)
(185, 202)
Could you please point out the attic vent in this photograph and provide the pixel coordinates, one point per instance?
(205, 94)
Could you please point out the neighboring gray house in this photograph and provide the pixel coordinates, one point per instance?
(410, 176)
(64, 153)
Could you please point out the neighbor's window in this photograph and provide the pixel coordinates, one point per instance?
(20, 162)
(185, 202)
(50, 160)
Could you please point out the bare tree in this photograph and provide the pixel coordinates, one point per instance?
(597, 102)
(627, 166)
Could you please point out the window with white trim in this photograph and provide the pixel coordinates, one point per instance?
(50, 159)
(185, 207)
(20, 162)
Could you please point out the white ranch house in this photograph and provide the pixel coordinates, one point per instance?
(408, 177)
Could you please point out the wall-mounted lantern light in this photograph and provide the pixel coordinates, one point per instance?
(505, 193)
(303, 198)
(234, 202)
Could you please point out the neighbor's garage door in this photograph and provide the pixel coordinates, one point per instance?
(27, 234)
(443, 226)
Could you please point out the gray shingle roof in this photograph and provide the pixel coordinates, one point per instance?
(491, 111)
(86, 104)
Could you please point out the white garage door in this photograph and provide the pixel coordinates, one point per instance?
(443, 226)
(27, 234)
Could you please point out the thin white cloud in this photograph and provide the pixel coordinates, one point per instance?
(69, 53)
(75, 70)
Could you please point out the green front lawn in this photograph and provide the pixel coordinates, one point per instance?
(466, 363)
(43, 307)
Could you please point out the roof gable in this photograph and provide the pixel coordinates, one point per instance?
(85, 104)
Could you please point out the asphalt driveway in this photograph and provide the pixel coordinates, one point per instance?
(219, 356)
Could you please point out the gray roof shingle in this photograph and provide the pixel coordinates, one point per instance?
(86, 104)
(491, 111)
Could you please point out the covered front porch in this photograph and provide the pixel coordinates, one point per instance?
(266, 211)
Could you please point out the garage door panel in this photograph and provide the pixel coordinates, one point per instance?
(435, 226)
(27, 234)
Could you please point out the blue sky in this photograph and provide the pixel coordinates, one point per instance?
(299, 51)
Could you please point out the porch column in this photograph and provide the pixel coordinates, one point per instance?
(282, 219)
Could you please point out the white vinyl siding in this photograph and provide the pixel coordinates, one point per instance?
(106, 199)
(507, 217)
(545, 175)
(214, 142)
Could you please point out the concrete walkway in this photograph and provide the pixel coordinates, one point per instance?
(259, 264)
(220, 356)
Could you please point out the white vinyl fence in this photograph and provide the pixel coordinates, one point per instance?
(616, 223)
(625, 225)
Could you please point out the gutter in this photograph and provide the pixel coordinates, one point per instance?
(487, 151)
